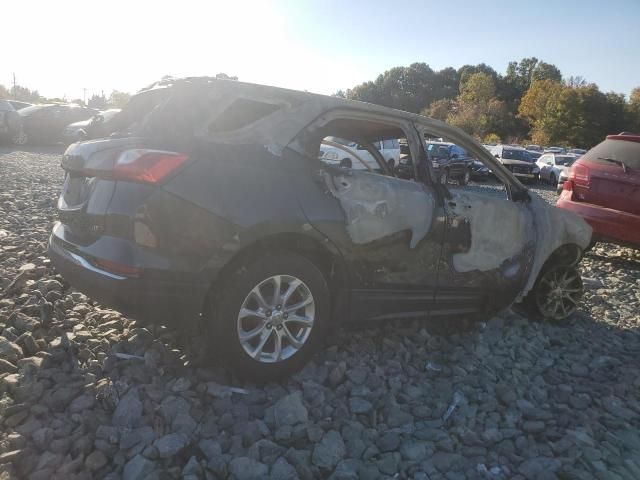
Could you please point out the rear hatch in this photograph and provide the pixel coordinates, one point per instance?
(609, 175)
(86, 191)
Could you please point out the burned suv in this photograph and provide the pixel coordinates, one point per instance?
(208, 203)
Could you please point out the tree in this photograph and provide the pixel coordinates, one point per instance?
(492, 138)
(633, 111)
(4, 93)
(97, 101)
(118, 99)
(521, 75)
(224, 76)
(25, 95)
(440, 109)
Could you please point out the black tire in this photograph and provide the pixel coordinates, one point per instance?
(552, 179)
(228, 302)
(464, 179)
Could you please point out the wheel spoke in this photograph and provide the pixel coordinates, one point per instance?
(263, 339)
(300, 319)
(277, 284)
(292, 340)
(297, 306)
(257, 294)
(293, 286)
(277, 350)
(247, 312)
(246, 336)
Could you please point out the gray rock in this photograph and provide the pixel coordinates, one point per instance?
(10, 351)
(388, 442)
(95, 461)
(359, 405)
(244, 468)
(171, 444)
(282, 470)
(137, 468)
(329, 451)
(534, 467)
(129, 410)
(138, 436)
(413, 451)
(82, 403)
(290, 410)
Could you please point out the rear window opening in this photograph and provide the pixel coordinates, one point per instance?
(241, 113)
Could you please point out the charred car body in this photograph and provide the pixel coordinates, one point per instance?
(210, 204)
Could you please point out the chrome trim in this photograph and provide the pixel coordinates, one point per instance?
(82, 262)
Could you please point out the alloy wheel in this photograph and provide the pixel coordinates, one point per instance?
(558, 292)
(276, 319)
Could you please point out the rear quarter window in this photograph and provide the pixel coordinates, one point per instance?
(621, 150)
(241, 113)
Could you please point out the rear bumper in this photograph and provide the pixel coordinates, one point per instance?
(608, 224)
(167, 300)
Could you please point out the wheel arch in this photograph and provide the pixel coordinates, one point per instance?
(568, 254)
(323, 255)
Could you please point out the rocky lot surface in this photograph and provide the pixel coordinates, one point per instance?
(87, 393)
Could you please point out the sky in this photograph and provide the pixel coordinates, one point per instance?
(63, 47)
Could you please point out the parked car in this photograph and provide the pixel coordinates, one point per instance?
(450, 162)
(18, 105)
(576, 151)
(603, 186)
(479, 171)
(357, 156)
(45, 123)
(564, 176)
(518, 161)
(95, 127)
(9, 122)
(218, 216)
(534, 155)
(552, 164)
(534, 148)
(559, 150)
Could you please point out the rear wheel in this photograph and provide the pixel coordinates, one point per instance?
(271, 315)
(552, 179)
(556, 293)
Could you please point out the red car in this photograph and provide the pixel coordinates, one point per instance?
(604, 188)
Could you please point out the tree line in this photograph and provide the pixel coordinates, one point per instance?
(116, 99)
(530, 102)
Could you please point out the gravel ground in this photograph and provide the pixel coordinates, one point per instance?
(87, 393)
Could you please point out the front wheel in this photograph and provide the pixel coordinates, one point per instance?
(552, 180)
(556, 293)
(444, 177)
(271, 315)
(464, 180)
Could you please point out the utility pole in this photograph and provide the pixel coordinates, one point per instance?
(14, 83)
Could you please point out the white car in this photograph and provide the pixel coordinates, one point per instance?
(389, 149)
(552, 165)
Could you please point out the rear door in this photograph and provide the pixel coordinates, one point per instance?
(610, 184)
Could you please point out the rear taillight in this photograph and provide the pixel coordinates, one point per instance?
(148, 166)
(567, 185)
(579, 175)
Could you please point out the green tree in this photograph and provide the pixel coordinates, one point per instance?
(118, 99)
(633, 111)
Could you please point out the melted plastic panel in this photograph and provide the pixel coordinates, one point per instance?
(553, 228)
(376, 206)
(500, 231)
